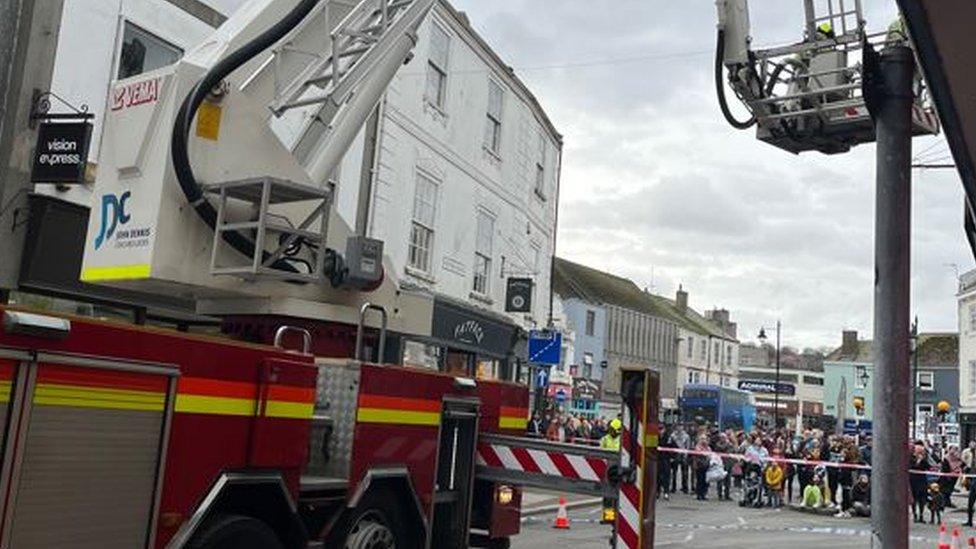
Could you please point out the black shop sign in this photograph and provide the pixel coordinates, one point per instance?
(518, 295)
(462, 327)
(61, 153)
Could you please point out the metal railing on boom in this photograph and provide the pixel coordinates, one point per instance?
(808, 95)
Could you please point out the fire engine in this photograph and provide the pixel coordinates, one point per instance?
(214, 184)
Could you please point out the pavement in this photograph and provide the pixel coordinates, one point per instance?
(688, 523)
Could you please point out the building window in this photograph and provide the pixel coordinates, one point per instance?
(590, 322)
(925, 381)
(143, 52)
(972, 377)
(691, 346)
(482, 253)
(540, 168)
(923, 411)
(422, 228)
(718, 349)
(588, 365)
(493, 125)
(440, 45)
(860, 377)
(972, 317)
(704, 350)
(728, 355)
(811, 380)
(694, 376)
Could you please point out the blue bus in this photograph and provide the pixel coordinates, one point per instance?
(724, 407)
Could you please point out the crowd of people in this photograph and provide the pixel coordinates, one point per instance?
(809, 469)
(773, 467)
(564, 427)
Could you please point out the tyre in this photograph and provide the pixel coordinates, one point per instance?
(235, 532)
(377, 523)
(371, 532)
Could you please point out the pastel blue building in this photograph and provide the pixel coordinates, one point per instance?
(849, 373)
(587, 356)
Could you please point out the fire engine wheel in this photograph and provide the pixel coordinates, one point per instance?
(371, 532)
(235, 532)
(377, 524)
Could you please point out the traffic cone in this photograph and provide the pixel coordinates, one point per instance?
(943, 542)
(956, 541)
(562, 519)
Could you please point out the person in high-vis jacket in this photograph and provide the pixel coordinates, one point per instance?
(611, 440)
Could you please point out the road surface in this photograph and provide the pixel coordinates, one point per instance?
(684, 522)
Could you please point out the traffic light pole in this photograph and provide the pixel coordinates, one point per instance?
(889, 479)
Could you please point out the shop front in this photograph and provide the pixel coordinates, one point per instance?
(586, 398)
(465, 341)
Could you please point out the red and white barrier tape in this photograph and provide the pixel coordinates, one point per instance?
(778, 459)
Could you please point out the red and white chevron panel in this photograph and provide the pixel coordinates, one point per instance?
(630, 495)
(530, 460)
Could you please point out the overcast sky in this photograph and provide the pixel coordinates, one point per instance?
(658, 188)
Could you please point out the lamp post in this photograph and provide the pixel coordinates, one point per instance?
(914, 349)
(762, 339)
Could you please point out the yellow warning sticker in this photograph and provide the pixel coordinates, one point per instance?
(208, 121)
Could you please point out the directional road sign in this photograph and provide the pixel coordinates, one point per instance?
(545, 346)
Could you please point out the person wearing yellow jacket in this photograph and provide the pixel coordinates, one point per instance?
(774, 483)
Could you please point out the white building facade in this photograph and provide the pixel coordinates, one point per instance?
(461, 175)
(966, 301)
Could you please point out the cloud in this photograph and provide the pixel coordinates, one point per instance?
(657, 187)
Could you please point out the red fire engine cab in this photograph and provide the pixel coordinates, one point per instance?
(119, 436)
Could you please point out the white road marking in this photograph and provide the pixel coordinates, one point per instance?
(741, 520)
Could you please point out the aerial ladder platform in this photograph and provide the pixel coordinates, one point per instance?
(809, 95)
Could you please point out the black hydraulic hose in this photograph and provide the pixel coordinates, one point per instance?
(188, 109)
(720, 87)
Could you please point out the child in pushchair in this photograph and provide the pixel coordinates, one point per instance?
(752, 486)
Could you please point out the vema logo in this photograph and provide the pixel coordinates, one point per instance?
(113, 214)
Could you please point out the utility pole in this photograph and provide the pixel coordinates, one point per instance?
(28, 44)
(776, 392)
(892, 116)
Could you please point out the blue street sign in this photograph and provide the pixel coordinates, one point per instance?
(561, 395)
(854, 426)
(545, 346)
(541, 378)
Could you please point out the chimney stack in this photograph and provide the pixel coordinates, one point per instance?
(681, 299)
(848, 344)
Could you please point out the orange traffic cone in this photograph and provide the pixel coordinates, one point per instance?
(956, 541)
(562, 519)
(943, 542)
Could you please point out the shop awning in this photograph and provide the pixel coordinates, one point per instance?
(944, 39)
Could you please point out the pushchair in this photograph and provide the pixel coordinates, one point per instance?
(752, 487)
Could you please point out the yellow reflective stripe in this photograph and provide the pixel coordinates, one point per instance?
(116, 272)
(200, 404)
(97, 397)
(402, 417)
(509, 422)
(650, 441)
(283, 408)
(5, 391)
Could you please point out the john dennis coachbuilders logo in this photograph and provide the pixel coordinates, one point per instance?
(115, 215)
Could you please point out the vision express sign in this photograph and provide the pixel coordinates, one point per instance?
(61, 153)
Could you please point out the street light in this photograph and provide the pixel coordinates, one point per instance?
(762, 340)
(914, 349)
